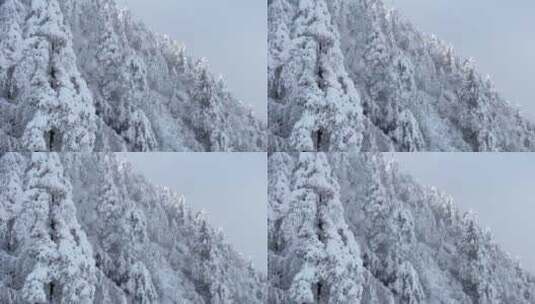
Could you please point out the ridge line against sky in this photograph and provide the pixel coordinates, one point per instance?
(492, 32)
(502, 200)
(230, 187)
(233, 40)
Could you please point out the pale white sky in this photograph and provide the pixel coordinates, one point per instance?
(230, 34)
(230, 187)
(499, 187)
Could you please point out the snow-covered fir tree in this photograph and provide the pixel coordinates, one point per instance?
(56, 261)
(406, 243)
(87, 76)
(85, 228)
(318, 258)
(476, 273)
(305, 91)
(346, 75)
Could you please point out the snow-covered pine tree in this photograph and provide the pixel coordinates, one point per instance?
(407, 134)
(476, 272)
(140, 285)
(122, 234)
(322, 258)
(279, 176)
(309, 80)
(206, 120)
(219, 292)
(209, 256)
(122, 80)
(55, 258)
(384, 106)
(478, 97)
(524, 283)
(378, 210)
(54, 93)
(11, 182)
(389, 233)
(203, 254)
(408, 286)
(10, 44)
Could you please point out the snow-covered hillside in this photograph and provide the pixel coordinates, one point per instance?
(350, 228)
(84, 228)
(352, 75)
(83, 75)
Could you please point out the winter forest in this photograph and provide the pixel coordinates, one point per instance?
(351, 228)
(352, 75)
(86, 76)
(85, 228)
(344, 81)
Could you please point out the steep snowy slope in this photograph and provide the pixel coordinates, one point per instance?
(85, 76)
(350, 228)
(351, 75)
(84, 228)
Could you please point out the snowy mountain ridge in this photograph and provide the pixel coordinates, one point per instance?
(352, 75)
(350, 228)
(86, 76)
(85, 228)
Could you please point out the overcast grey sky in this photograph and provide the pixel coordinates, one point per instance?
(498, 34)
(230, 34)
(230, 187)
(499, 187)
